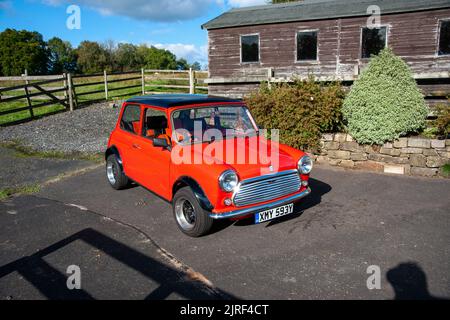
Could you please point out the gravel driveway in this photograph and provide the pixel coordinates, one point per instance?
(84, 130)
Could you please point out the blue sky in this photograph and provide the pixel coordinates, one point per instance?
(170, 24)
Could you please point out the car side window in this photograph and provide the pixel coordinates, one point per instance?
(155, 123)
(131, 118)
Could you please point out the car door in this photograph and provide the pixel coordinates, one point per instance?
(153, 163)
(130, 124)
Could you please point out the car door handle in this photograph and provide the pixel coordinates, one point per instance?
(136, 146)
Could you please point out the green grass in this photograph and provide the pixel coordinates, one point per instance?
(25, 114)
(85, 99)
(446, 170)
(27, 189)
(26, 152)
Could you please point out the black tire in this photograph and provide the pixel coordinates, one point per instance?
(201, 224)
(114, 174)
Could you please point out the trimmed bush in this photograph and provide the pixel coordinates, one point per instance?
(301, 111)
(384, 103)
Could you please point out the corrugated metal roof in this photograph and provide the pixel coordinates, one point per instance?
(316, 10)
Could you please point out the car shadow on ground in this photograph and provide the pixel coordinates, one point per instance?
(409, 282)
(52, 283)
(318, 189)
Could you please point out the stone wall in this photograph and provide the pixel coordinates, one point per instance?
(409, 156)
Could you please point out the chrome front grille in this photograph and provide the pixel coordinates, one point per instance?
(267, 187)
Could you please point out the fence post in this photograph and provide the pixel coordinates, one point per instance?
(143, 81)
(269, 77)
(27, 93)
(65, 86)
(70, 91)
(191, 81)
(106, 84)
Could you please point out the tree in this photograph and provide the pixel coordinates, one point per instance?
(141, 52)
(62, 57)
(20, 50)
(182, 64)
(196, 66)
(127, 57)
(110, 49)
(384, 103)
(155, 58)
(92, 57)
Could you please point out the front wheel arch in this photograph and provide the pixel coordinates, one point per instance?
(113, 150)
(200, 195)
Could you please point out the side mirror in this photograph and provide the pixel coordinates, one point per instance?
(161, 142)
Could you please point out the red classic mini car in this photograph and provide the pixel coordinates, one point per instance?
(206, 156)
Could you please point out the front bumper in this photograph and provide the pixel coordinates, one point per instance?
(259, 208)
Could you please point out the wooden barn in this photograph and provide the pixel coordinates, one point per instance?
(330, 39)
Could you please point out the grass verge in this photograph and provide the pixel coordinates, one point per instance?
(22, 151)
(446, 170)
(27, 189)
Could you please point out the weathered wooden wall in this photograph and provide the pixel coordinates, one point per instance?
(413, 36)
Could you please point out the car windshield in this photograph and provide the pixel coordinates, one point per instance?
(205, 124)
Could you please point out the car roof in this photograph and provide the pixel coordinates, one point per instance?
(176, 100)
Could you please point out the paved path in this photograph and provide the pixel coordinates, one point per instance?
(351, 221)
(18, 171)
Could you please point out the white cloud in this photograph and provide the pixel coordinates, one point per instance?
(190, 52)
(154, 10)
(246, 3)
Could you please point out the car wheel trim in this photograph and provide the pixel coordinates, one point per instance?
(185, 214)
(111, 172)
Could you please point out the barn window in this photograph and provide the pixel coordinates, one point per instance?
(306, 45)
(373, 41)
(444, 38)
(250, 48)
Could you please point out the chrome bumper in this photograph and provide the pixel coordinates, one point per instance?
(259, 208)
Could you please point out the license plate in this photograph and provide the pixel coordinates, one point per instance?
(274, 213)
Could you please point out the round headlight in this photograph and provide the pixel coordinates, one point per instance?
(305, 165)
(228, 180)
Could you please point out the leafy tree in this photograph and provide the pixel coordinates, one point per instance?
(182, 64)
(141, 52)
(62, 56)
(127, 57)
(20, 50)
(160, 59)
(110, 49)
(384, 103)
(196, 66)
(154, 58)
(92, 57)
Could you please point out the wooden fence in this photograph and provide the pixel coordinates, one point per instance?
(24, 97)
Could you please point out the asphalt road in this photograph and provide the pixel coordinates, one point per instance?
(20, 171)
(351, 221)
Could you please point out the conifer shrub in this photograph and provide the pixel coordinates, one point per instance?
(385, 102)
